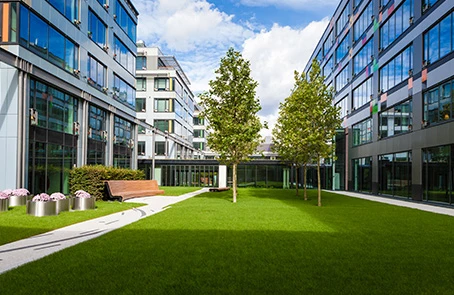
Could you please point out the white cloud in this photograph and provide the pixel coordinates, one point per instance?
(294, 4)
(184, 25)
(274, 56)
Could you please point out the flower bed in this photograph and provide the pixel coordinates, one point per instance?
(83, 201)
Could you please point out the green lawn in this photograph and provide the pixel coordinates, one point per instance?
(15, 224)
(177, 190)
(270, 242)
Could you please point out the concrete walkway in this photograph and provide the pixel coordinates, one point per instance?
(17, 253)
(408, 204)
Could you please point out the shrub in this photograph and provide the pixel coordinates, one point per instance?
(91, 178)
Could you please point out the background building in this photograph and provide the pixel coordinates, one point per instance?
(390, 63)
(67, 95)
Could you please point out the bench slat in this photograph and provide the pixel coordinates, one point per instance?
(127, 189)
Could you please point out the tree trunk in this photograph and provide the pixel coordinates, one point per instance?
(296, 181)
(319, 187)
(234, 182)
(305, 182)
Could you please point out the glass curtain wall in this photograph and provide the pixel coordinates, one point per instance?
(362, 175)
(395, 174)
(438, 174)
(97, 136)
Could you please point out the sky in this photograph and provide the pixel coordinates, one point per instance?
(276, 36)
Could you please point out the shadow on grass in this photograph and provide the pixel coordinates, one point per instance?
(135, 261)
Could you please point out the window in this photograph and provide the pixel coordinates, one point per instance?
(164, 125)
(396, 24)
(179, 110)
(199, 133)
(342, 79)
(199, 145)
(141, 63)
(396, 70)
(162, 105)
(383, 3)
(342, 20)
(47, 42)
(69, 8)
(102, 2)
(122, 131)
(362, 174)
(342, 49)
(161, 84)
(363, 22)
(362, 94)
(328, 67)
(437, 174)
(363, 57)
(328, 43)
(141, 84)
(394, 174)
(362, 132)
(342, 104)
(160, 148)
(125, 21)
(96, 73)
(141, 104)
(198, 121)
(438, 103)
(426, 4)
(141, 148)
(396, 120)
(124, 92)
(439, 40)
(96, 29)
(97, 122)
(124, 56)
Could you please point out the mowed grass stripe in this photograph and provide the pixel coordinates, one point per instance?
(271, 242)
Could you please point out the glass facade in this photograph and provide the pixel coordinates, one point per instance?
(141, 104)
(141, 63)
(124, 93)
(362, 132)
(439, 40)
(438, 103)
(97, 73)
(397, 69)
(69, 8)
(362, 175)
(122, 143)
(343, 78)
(342, 104)
(163, 105)
(97, 136)
(438, 174)
(395, 174)
(125, 21)
(124, 56)
(364, 57)
(161, 84)
(141, 84)
(164, 125)
(328, 67)
(328, 43)
(342, 21)
(141, 148)
(396, 24)
(342, 49)
(363, 22)
(362, 94)
(53, 141)
(96, 29)
(396, 120)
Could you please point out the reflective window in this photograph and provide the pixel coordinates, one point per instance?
(160, 148)
(363, 22)
(161, 84)
(426, 4)
(198, 121)
(124, 56)
(124, 92)
(141, 104)
(362, 94)
(342, 104)
(383, 3)
(437, 174)
(96, 29)
(439, 40)
(328, 43)
(342, 49)
(164, 125)
(141, 63)
(141, 148)
(343, 19)
(122, 150)
(141, 84)
(343, 78)
(396, 120)
(102, 2)
(362, 132)
(97, 123)
(96, 73)
(397, 69)
(362, 174)
(125, 21)
(438, 103)
(328, 67)
(395, 174)
(163, 105)
(69, 8)
(396, 24)
(363, 57)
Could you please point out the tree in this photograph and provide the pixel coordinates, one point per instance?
(230, 107)
(292, 129)
(325, 119)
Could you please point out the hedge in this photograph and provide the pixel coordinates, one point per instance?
(91, 178)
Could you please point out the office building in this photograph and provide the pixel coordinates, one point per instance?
(391, 66)
(67, 72)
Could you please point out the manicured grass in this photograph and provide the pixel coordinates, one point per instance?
(270, 242)
(177, 190)
(15, 224)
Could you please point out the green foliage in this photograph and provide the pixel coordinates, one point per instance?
(230, 108)
(91, 178)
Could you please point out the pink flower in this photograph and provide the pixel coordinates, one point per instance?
(3, 195)
(41, 198)
(20, 192)
(9, 192)
(82, 194)
(57, 196)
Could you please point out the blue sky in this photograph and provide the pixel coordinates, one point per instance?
(276, 36)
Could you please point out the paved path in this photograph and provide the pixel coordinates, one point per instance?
(408, 204)
(17, 253)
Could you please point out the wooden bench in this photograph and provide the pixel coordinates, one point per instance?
(219, 189)
(126, 189)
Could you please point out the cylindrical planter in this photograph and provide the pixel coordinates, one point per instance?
(83, 203)
(17, 201)
(4, 203)
(42, 208)
(63, 205)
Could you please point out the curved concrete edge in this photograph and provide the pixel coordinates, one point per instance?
(402, 203)
(20, 252)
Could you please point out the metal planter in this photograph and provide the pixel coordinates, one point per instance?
(63, 205)
(42, 208)
(17, 201)
(4, 203)
(83, 203)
